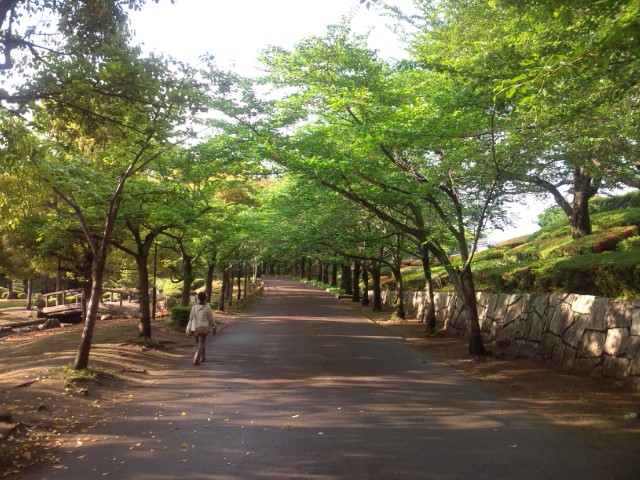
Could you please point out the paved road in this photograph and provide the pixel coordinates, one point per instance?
(299, 388)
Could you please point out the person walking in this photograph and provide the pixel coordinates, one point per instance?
(200, 320)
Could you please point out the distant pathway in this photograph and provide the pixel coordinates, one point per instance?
(299, 388)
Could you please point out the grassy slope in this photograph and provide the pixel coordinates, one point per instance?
(606, 263)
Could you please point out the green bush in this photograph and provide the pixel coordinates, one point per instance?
(619, 218)
(5, 294)
(596, 242)
(493, 254)
(172, 301)
(180, 316)
(21, 295)
(39, 303)
(552, 216)
(609, 274)
(510, 278)
(629, 244)
(617, 202)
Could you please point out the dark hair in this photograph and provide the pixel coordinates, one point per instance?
(202, 297)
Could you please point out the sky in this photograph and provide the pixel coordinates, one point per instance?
(235, 31)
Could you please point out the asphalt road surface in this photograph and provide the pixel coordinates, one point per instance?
(300, 388)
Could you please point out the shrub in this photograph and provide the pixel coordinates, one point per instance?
(172, 301)
(39, 303)
(492, 255)
(617, 202)
(619, 218)
(609, 274)
(552, 216)
(629, 244)
(595, 243)
(5, 295)
(180, 316)
(22, 295)
(511, 278)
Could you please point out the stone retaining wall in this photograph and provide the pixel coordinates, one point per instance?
(581, 333)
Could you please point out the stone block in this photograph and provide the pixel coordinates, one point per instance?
(615, 367)
(634, 366)
(586, 365)
(634, 383)
(583, 304)
(540, 305)
(520, 326)
(592, 344)
(483, 300)
(562, 319)
(597, 372)
(635, 319)
(514, 310)
(619, 314)
(51, 323)
(598, 315)
(505, 335)
(616, 341)
(568, 357)
(633, 347)
(536, 329)
(558, 353)
(528, 349)
(548, 345)
(573, 335)
(500, 307)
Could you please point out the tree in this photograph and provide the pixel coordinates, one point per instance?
(384, 138)
(565, 120)
(91, 21)
(110, 115)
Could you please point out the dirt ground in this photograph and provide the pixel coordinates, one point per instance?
(44, 411)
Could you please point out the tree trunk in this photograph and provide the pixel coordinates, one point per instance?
(377, 288)
(187, 279)
(356, 281)
(239, 282)
(365, 286)
(583, 191)
(468, 297)
(91, 315)
(399, 311)
(346, 282)
(429, 310)
(320, 271)
(309, 268)
(303, 265)
(29, 284)
(10, 293)
(223, 290)
(334, 275)
(208, 284)
(144, 325)
(246, 279)
(229, 293)
(325, 274)
(60, 284)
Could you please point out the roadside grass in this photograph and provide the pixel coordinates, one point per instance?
(13, 303)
